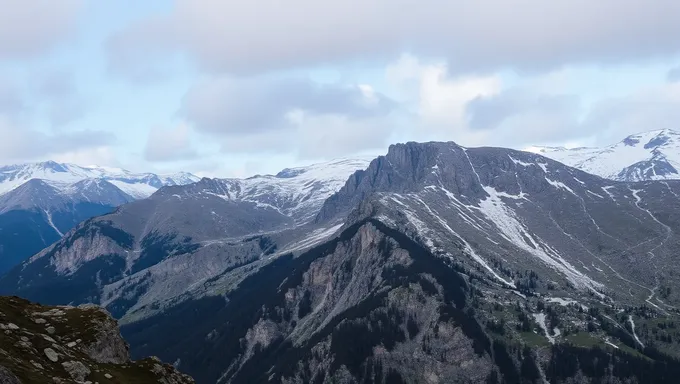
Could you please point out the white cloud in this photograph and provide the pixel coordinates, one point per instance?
(169, 144)
(653, 107)
(331, 136)
(484, 35)
(24, 144)
(101, 155)
(234, 105)
(289, 115)
(438, 101)
(58, 94)
(30, 27)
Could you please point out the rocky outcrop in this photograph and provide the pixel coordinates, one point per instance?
(40, 344)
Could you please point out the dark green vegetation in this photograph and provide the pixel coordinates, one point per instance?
(47, 286)
(156, 248)
(350, 338)
(84, 336)
(24, 233)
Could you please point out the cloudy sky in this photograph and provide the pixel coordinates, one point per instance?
(233, 88)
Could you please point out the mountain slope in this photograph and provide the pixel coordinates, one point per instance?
(201, 229)
(440, 263)
(40, 202)
(67, 344)
(653, 155)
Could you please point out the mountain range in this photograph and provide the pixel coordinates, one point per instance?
(653, 155)
(40, 202)
(433, 263)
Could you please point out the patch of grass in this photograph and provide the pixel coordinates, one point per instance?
(584, 339)
(534, 339)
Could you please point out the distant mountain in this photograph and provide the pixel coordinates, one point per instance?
(297, 193)
(42, 201)
(209, 215)
(653, 155)
(63, 177)
(436, 263)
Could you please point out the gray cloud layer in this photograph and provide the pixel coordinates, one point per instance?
(11, 102)
(264, 114)
(59, 93)
(489, 112)
(169, 144)
(51, 97)
(29, 27)
(259, 35)
(673, 74)
(233, 106)
(21, 143)
(523, 116)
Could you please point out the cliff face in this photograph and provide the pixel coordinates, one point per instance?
(40, 344)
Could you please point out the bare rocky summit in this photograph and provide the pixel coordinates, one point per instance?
(65, 344)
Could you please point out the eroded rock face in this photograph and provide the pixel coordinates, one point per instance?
(106, 346)
(41, 344)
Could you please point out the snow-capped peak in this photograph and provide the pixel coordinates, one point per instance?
(64, 176)
(295, 192)
(651, 155)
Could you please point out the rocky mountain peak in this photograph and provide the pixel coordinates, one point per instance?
(466, 172)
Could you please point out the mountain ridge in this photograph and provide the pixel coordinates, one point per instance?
(63, 175)
(651, 155)
(40, 202)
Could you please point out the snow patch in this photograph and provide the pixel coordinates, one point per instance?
(632, 327)
(512, 230)
(313, 239)
(611, 344)
(51, 223)
(564, 302)
(561, 185)
(595, 194)
(540, 319)
(136, 190)
(423, 230)
(519, 162)
(606, 190)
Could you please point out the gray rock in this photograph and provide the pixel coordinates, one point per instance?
(108, 346)
(51, 355)
(7, 377)
(77, 370)
(21, 362)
